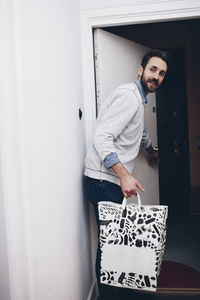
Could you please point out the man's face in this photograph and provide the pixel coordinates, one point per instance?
(152, 76)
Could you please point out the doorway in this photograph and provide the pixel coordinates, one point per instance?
(178, 175)
(176, 105)
(117, 61)
(122, 15)
(172, 120)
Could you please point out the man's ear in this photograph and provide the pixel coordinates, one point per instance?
(140, 72)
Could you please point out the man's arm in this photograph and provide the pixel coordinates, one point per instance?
(127, 182)
(110, 124)
(112, 120)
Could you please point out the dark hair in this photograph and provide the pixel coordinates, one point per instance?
(164, 55)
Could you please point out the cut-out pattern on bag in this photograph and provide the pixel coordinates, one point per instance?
(142, 229)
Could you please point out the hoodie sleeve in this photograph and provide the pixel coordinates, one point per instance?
(113, 119)
(111, 160)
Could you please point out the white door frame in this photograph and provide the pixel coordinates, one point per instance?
(142, 11)
(138, 13)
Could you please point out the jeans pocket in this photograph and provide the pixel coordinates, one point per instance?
(108, 191)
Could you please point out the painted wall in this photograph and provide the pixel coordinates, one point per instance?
(44, 237)
(4, 85)
(54, 144)
(93, 4)
(4, 270)
(139, 5)
(46, 213)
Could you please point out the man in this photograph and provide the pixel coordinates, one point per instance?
(119, 132)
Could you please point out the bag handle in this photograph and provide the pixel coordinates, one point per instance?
(138, 199)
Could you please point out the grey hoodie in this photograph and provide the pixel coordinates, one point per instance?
(119, 129)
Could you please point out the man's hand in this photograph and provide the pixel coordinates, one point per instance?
(153, 158)
(128, 183)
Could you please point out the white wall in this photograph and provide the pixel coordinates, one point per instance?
(4, 273)
(44, 233)
(4, 136)
(46, 215)
(92, 4)
(145, 5)
(54, 144)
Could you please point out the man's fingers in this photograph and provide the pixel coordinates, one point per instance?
(129, 187)
(134, 192)
(153, 159)
(140, 187)
(126, 195)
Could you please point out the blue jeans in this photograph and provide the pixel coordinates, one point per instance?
(102, 190)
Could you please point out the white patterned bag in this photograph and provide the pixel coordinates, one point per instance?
(132, 243)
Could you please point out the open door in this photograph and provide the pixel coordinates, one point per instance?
(117, 61)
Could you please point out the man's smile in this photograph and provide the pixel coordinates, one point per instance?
(153, 82)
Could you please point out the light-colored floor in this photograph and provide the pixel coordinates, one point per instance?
(183, 242)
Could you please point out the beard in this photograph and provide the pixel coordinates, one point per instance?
(153, 84)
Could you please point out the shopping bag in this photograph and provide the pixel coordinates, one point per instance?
(132, 242)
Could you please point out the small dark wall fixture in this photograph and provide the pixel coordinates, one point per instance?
(80, 114)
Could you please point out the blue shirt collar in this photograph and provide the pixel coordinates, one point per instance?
(141, 90)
